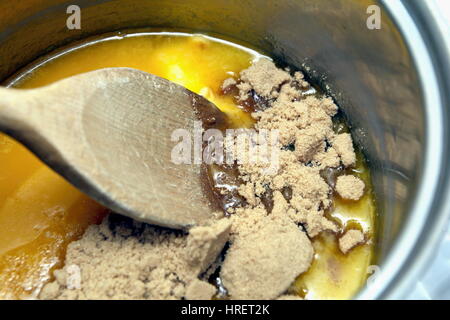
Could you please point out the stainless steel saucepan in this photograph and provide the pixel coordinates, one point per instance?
(392, 83)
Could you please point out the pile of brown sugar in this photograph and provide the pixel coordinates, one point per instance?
(125, 259)
(258, 248)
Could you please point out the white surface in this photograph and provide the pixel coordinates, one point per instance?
(435, 284)
(444, 6)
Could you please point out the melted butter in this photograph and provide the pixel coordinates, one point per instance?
(40, 213)
(38, 219)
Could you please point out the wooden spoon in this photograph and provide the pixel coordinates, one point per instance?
(108, 132)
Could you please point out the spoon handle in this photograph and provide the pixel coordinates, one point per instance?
(20, 113)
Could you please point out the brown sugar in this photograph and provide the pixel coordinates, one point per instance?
(200, 290)
(263, 261)
(124, 259)
(289, 297)
(227, 83)
(306, 125)
(206, 242)
(263, 77)
(350, 187)
(343, 145)
(350, 239)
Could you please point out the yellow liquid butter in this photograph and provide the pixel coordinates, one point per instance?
(40, 213)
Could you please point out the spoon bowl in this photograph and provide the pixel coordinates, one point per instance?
(110, 133)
